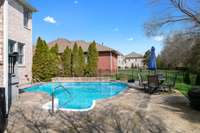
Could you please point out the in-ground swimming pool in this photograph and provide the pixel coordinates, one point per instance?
(79, 96)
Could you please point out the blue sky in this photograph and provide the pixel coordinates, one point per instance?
(116, 23)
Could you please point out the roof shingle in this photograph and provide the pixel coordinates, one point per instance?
(63, 43)
(134, 55)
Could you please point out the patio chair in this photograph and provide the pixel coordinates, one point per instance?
(153, 84)
(161, 78)
(142, 82)
(169, 85)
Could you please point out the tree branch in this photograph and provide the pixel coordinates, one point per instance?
(179, 4)
(188, 15)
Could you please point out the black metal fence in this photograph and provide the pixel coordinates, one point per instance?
(128, 74)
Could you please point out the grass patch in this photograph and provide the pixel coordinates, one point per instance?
(183, 88)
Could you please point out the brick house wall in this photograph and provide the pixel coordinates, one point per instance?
(1, 45)
(114, 63)
(12, 30)
(19, 33)
(107, 63)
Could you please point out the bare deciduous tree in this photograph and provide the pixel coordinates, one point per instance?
(184, 11)
(177, 49)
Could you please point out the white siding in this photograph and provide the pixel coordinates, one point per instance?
(137, 62)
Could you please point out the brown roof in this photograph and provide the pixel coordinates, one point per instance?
(63, 43)
(134, 55)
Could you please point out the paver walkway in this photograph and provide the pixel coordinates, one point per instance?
(133, 111)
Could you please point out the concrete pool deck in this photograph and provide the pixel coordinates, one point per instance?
(132, 111)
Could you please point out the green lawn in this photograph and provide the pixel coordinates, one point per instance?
(183, 88)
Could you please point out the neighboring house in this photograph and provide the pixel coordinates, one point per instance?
(131, 60)
(121, 61)
(107, 62)
(134, 59)
(15, 47)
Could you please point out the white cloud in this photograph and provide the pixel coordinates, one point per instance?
(49, 19)
(116, 29)
(130, 39)
(76, 2)
(159, 38)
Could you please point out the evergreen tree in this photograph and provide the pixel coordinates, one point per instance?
(146, 57)
(54, 49)
(36, 67)
(75, 60)
(81, 62)
(67, 62)
(51, 68)
(41, 60)
(56, 60)
(92, 60)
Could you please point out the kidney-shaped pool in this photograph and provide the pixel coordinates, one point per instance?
(79, 96)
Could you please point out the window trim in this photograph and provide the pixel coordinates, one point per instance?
(26, 16)
(16, 49)
(23, 55)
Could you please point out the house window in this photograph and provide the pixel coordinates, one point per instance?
(21, 53)
(26, 17)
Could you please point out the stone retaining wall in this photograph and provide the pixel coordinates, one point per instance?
(81, 79)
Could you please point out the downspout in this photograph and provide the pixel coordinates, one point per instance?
(110, 62)
(5, 50)
(117, 65)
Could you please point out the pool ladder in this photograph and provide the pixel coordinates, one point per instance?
(66, 92)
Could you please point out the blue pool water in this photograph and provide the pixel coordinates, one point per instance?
(80, 96)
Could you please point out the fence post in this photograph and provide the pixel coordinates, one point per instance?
(132, 74)
(116, 75)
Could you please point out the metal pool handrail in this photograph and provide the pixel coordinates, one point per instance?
(66, 91)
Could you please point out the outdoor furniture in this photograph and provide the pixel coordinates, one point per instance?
(131, 81)
(142, 82)
(153, 83)
(161, 78)
(194, 97)
(168, 85)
